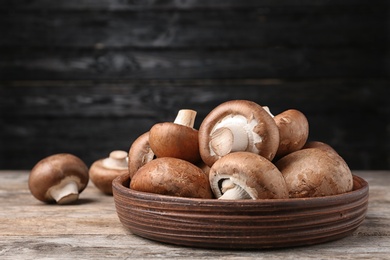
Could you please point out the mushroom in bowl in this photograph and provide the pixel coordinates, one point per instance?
(315, 172)
(245, 175)
(140, 153)
(237, 125)
(173, 177)
(176, 139)
(293, 131)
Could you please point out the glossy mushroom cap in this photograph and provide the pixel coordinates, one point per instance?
(237, 125)
(178, 139)
(293, 131)
(245, 175)
(102, 172)
(58, 178)
(173, 177)
(315, 172)
(140, 153)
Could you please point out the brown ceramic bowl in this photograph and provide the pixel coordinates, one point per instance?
(243, 224)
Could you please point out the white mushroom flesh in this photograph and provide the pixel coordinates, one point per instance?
(231, 191)
(117, 160)
(148, 156)
(234, 186)
(66, 191)
(234, 133)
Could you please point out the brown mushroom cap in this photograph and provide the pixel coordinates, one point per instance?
(140, 153)
(237, 125)
(178, 139)
(293, 131)
(55, 171)
(204, 167)
(314, 172)
(319, 145)
(173, 177)
(102, 172)
(254, 175)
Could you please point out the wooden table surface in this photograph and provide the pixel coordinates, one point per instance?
(91, 229)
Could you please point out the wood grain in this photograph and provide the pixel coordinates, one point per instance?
(30, 229)
(90, 119)
(192, 39)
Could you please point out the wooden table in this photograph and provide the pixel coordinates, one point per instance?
(91, 229)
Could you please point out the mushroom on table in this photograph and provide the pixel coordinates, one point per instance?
(58, 178)
(102, 172)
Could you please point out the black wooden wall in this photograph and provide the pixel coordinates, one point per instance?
(87, 77)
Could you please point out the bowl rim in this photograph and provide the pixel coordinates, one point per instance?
(360, 189)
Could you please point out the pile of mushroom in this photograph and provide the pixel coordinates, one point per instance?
(242, 150)
(164, 160)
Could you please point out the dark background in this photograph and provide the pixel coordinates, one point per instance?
(88, 77)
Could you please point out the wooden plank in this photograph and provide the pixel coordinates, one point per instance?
(91, 229)
(26, 142)
(90, 119)
(192, 64)
(170, 4)
(322, 39)
(157, 99)
(329, 27)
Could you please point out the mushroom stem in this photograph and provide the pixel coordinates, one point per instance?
(231, 191)
(116, 160)
(230, 138)
(266, 108)
(185, 117)
(65, 192)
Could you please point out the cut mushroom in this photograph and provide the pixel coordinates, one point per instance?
(237, 125)
(140, 153)
(315, 172)
(246, 175)
(293, 131)
(173, 177)
(178, 139)
(58, 178)
(102, 172)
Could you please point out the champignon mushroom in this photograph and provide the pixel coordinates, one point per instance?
(58, 178)
(246, 175)
(102, 172)
(178, 139)
(204, 167)
(173, 177)
(293, 131)
(140, 153)
(315, 172)
(319, 145)
(237, 125)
